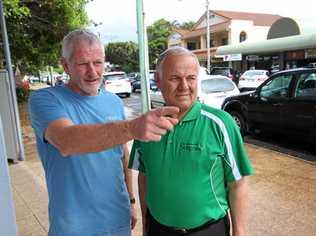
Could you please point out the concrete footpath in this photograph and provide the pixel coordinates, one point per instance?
(282, 195)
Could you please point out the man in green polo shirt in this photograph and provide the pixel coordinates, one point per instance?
(195, 174)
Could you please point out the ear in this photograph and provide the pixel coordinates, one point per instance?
(64, 64)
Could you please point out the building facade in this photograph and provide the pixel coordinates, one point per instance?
(289, 44)
(226, 28)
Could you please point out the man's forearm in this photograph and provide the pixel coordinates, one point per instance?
(78, 139)
(129, 184)
(239, 200)
(128, 172)
(71, 139)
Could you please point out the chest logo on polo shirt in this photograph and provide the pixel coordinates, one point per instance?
(191, 147)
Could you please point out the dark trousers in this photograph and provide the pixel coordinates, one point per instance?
(217, 228)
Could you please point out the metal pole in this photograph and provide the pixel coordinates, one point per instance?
(143, 55)
(52, 81)
(40, 75)
(208, 36)
(11, 82)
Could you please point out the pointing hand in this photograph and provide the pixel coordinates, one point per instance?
(155, 123)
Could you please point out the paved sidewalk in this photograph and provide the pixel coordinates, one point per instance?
(30, 198)
(282, 196)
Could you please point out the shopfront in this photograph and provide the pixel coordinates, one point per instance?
(281, 53)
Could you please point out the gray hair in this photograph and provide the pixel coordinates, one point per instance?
(177, 50)
(76, 36)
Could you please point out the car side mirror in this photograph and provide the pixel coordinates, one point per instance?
(254, 94)
(263, 99)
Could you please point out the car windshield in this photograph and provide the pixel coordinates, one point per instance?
(132, 75)
(115, 77)
(254, 73)
(219, 71)
(216, 85)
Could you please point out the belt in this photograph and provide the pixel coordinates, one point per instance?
(177, 230)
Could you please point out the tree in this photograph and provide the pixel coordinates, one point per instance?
(37, 27)
(158, 34)
(186, 25)
(124, 54)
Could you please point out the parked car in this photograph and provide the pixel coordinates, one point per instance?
(275, 68)
(50, 79)
(152, 83)
(212, 90)
(133, 76)
(118, 83)
(285, 104)
(33, 79)
(226, 71)
(251, 79)
(61, 80)
(311, 65)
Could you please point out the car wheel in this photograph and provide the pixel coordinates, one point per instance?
(240, 121)
(127, 95)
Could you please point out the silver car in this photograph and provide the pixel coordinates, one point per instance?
(212, 90)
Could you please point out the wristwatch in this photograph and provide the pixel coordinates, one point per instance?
(132, 200)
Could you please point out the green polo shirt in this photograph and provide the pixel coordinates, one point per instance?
(188, 170)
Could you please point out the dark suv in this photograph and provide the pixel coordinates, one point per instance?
(285, 104)
(226, 71)
(152, 83)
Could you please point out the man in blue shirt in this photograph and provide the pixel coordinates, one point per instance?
(81, 138)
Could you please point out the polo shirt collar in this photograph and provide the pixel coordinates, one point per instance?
(194, 112)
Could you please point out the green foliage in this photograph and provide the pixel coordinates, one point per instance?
(124, 54)
(36, 28)
(186, 25)
(158, 34)
(59, 69)
(23, 92)
(128, 68)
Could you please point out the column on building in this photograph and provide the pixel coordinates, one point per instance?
(203, 41)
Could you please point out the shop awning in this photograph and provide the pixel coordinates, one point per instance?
(272, 45)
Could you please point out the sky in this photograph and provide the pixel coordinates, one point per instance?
(116, 19)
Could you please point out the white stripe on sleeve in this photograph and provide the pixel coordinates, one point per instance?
(230, 152)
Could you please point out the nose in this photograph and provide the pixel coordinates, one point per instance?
(183, 85)
(92, 70)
